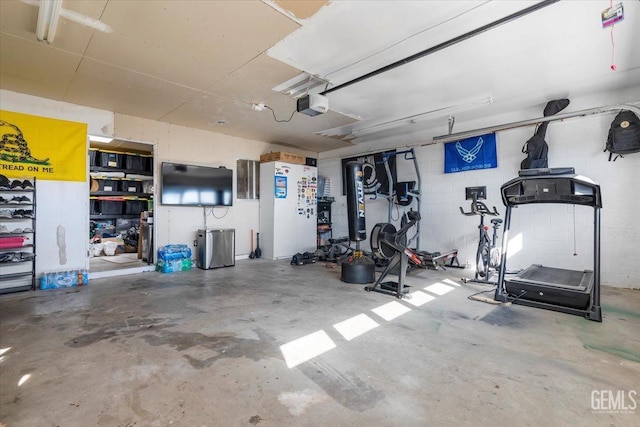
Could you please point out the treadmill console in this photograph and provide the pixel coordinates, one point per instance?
(551, 188)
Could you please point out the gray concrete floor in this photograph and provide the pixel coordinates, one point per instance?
(203, 348)
(105, 263)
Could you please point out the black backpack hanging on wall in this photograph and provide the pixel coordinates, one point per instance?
(536, 148)
(624, 135)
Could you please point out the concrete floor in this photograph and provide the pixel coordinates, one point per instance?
(203, 348)
(124, 261)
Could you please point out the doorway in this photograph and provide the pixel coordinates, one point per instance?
(121, 207)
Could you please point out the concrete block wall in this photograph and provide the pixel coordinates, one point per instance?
(540, 234)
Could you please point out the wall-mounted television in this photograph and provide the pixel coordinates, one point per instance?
(190, 185)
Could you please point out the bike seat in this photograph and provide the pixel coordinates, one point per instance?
(496, 221)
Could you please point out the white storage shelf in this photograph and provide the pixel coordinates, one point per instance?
(18, 236)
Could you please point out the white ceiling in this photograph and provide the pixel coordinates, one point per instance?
(198, 63)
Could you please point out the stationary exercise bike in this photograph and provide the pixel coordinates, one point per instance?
(488, 254)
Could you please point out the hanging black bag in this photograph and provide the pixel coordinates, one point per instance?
(536, 148)
(624, 135)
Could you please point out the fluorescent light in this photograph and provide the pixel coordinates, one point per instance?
(438, 112)
(47, 24)
(103, 139)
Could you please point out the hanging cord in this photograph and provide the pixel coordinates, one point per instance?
(275, 118)
(613, 52)
(211, 210)
(204, 214)
(613, 44)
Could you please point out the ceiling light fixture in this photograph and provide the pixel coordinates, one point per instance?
(300, 85)
(49, 12)
(47, 24)
(414, 119)
(102, 139)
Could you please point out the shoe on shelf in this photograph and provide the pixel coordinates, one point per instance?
(3, 201)
(17, 231)
(5, 213)
(17, 213)
(24, 200)
(27, 185)
(7, 256)
(28, 230)
(16, 184)
(4, 183)
(27, 214)
(25, 256)
(14, 200)
(3, 229)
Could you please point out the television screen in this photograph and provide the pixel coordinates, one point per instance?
(190, 185)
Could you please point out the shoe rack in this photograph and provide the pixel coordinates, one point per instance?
(17, 234)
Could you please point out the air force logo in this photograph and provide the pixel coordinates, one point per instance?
(469, 155)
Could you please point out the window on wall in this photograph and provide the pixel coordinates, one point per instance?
(248, 179)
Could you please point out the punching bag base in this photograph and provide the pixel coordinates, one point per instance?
(358, 270)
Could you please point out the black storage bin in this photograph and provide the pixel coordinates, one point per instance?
(111, 159)
(311, 161)
(94, 207)
(106, 184)
(111, 207)
(138, 162)
(94, 155)
(135, 207)
(131, 186)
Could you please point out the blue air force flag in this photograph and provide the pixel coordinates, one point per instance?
(468, 154)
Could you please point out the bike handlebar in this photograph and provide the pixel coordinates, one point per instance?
(479, 208)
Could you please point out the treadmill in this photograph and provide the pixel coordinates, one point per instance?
(567, 291)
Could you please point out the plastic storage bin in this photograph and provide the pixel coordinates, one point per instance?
(94, 154)
(108, 184)
(138, 162)
(135, 207)
(111, 159)
(111, 207)
(94, 206)
(130, 186)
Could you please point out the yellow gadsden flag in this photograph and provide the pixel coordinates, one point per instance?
(44, 148)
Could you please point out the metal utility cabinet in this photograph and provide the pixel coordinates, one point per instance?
(216, 248)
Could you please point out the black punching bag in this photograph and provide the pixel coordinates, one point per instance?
(355, 202)
(357, 268)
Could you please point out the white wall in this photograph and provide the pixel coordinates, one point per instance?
(62, 207)
(545, 231)
(179, 224)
